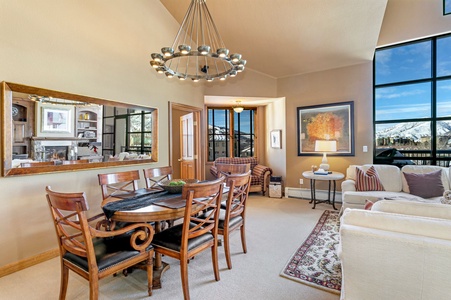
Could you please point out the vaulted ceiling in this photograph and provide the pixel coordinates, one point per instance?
(283, 38)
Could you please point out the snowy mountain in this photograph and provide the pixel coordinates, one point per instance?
(414, 131)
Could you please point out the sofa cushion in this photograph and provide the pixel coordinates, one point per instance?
(425, 185)
(237, 160)
(368, 181)
(421, 170)
(354, 197)
(417, 225)
(390, 176)
(413, 208)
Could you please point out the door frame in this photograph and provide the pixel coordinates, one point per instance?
(198, 129)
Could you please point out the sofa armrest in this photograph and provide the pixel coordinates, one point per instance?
(348, 185)
(214, 171)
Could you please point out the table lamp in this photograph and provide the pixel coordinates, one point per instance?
(325, 146)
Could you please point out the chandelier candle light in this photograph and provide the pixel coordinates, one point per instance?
(198, 51)
(325, 146)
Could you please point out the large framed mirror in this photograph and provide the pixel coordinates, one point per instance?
(50, 131)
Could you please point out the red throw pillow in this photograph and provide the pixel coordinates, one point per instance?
(368, 181)
(368, 204)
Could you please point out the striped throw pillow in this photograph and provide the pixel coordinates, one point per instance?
(368, 181)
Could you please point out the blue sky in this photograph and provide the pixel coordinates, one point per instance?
(412, 62)
(447, 6)
(220, 117)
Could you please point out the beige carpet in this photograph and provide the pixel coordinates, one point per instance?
(275, 228)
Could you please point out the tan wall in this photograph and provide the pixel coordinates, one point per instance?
(95, 48)
(246, 84)
(339, 85)
(407, 20)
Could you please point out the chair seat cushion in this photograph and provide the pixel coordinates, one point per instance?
(171, 238)
(233, 221)
(108, 251)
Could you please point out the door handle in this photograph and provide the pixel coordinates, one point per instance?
(180, 159)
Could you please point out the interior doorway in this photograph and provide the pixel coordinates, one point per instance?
(178, 112)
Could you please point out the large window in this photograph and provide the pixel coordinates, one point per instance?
(230, 134)
(412, 102)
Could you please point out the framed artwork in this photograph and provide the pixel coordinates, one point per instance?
(276, 141)
(326, 122)
(446, 7)
(58, 120)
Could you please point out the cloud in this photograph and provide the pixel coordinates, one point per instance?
(388, 93)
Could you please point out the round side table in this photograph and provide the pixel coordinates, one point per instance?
(331, 178)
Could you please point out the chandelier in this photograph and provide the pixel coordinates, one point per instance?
(198, 51)
(238, 108)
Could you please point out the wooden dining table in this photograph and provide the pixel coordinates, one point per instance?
(158, 212)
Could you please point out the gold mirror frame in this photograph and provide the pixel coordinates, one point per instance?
(7, 131)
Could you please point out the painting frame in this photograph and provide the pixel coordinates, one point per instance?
(276, 139)
(56, 120)
(446, 7)
(334, 121)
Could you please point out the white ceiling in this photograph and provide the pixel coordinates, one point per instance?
(282, 38)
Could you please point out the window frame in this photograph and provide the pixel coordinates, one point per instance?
(230, 145)
(424, 157)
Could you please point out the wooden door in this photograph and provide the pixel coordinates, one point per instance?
(187, 161)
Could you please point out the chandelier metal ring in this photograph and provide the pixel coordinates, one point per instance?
(198, 51)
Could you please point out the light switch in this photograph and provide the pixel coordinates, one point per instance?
(365, 148)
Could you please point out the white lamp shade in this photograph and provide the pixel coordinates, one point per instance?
(325, 146)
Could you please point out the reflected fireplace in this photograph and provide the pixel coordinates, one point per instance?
(54, 150)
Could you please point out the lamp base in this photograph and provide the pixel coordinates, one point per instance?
(325, 167)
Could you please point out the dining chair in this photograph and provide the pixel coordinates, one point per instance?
(194, 235)
(227, 169)
(116, 183)
(154, 176)
(93, 253)
(233, 216)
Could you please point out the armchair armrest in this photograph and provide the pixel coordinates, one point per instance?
(214, 171)
(348, 185)
(261, 171)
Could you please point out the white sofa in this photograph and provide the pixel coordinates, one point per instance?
(397, 250)
(394, 183)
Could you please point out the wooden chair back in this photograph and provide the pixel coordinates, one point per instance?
(37, 164)
(235, 209)
(75, 162)
(239, 185)
(227, 169)
(116, 183)
(71, 225)
(153, 176)
(201, 197)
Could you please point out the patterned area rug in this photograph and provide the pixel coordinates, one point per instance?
(316, 262)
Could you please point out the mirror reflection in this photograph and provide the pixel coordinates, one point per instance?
(54, 131)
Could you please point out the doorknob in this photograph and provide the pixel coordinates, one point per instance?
(180, 159)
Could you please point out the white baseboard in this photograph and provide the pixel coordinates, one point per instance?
(303, 193)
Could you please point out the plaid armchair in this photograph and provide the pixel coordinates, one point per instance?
(259, 174)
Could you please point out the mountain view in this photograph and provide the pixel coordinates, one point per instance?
(414, 135)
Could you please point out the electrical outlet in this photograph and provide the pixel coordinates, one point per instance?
(301, 181)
